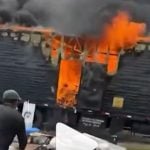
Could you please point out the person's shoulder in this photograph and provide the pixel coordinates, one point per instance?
(12, 113)
(6, 109)
(16, 114)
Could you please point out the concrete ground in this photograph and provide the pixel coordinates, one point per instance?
(136, 146)
(135, 142)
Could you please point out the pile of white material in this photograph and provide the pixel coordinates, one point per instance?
(103, 144)
(70, 139)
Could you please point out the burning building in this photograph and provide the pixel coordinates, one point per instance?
(92, 63)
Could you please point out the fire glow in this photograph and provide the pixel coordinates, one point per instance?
(122, 33)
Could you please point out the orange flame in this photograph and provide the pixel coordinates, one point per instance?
(121, 33)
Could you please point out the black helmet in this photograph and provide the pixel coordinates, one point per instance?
(11, 95)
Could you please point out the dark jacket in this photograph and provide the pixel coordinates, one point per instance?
(11, 124)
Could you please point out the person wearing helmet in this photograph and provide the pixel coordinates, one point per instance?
(11, 121)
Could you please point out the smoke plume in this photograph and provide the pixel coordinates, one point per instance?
(73, 17)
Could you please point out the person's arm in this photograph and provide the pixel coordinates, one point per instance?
(21, 133)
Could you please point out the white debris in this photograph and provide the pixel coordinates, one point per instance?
(103, 144)
(70, 139)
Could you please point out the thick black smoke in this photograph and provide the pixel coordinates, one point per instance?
(74, 17)
(25, 18)
(5, 16)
